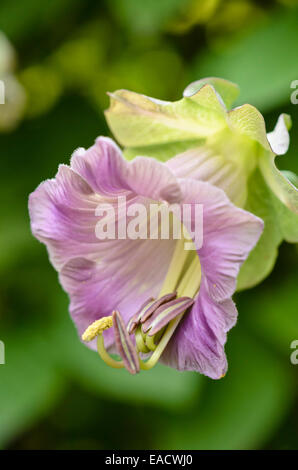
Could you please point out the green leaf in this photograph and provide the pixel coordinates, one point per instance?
(292, 177)
(247, 120)
(287, 220)
(242, 60)
(262, 258)
(159, 129)
(33, 15)
(151, 15)
(278, 183)
(228, 91)
(280, 223)
(137, 120)
(272, 312)
(30, 384)
(162, 152)
(284, 188)
(207, 97)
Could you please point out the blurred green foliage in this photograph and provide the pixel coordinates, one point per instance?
(54, 392)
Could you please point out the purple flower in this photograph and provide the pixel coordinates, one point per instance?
(163, 301)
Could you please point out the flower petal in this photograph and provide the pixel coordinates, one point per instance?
(138, 120)
(279, 138)
(62, 213)
(99, 161)
(229, 234)
(204, 164)
(103, 275)
(106, 171)
(198, 342)
(227, 91)
(123, 277)
(247, 120)
(278, 183)
(63, 210)
(279, 223)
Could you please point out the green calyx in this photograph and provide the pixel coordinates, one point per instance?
(228, 147)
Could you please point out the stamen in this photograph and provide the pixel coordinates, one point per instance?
(140, 341)
(135, 319)
(164, 314)
(97, 328)
(157, 303)
(188, 287)
(124, 345)
(145, 344)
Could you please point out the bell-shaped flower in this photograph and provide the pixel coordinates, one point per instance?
(204, 139)
(138, 287)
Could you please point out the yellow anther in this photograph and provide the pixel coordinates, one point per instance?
(97, 328)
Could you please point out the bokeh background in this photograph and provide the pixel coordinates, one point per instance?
(61, 58)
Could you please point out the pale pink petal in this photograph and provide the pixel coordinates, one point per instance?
(229, 234)
(63, 209)
(198, 342)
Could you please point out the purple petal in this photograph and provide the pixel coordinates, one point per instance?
(62, 213)
(229, 234)
(126, 276)
(63, 210)
(103, 276)
(203, 164)
(198, 342)
(104, 168)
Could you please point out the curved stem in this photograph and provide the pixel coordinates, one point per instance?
(150, 343)
(105, 355)
(162, 344)
(140, 341)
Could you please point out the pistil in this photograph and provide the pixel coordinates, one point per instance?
(106, 356)
(96, 329)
